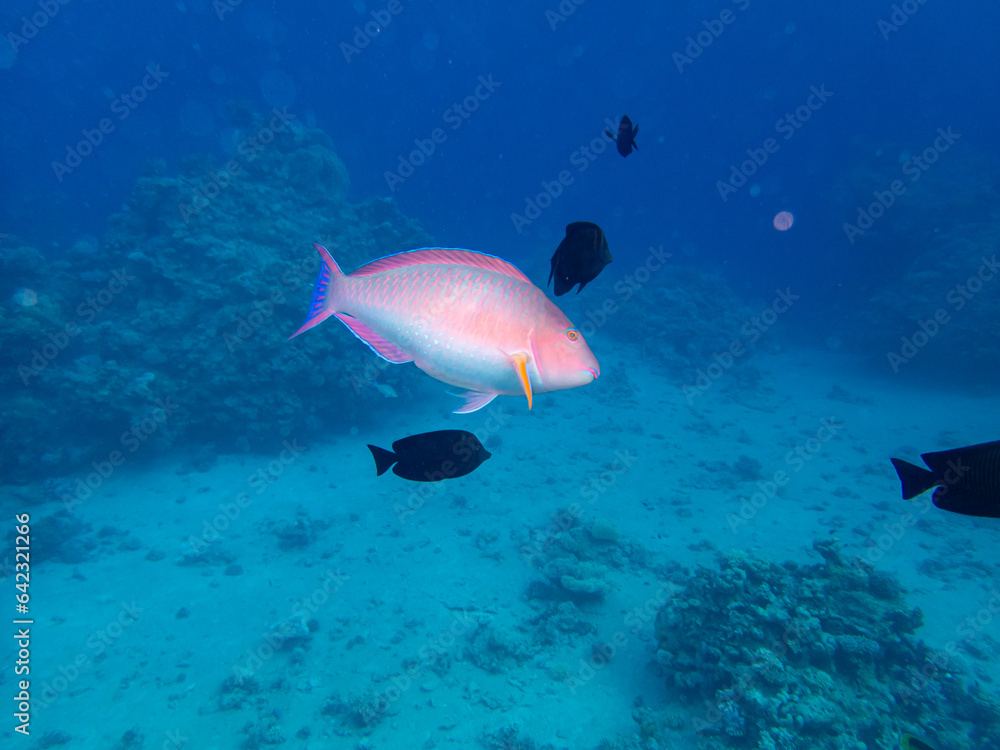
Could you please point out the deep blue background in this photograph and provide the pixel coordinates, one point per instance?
(557, 87)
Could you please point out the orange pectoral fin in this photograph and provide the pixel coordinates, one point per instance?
(520, 361)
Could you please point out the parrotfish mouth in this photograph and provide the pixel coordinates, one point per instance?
(593, 372)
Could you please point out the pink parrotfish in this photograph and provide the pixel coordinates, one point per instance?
(470, 320)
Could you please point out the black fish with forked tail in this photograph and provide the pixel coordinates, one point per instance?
(967, 479)
(626, 136)
(431, 456)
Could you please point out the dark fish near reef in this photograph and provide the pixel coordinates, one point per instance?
(626, 136)
(581, 255)
(909, 742)
(431, 456)
(967, 479)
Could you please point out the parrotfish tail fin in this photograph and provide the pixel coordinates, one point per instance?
(915, 479)
(383, 459)
(610, 135)
(321, 307)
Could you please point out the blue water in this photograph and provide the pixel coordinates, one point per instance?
(873, 125)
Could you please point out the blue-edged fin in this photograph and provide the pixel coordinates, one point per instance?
(383, 459)
(474, 401)
(909, 742)
(320, 308)
(388, 352)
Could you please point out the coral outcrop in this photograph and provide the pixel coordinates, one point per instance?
(176, 323)
(811, 656)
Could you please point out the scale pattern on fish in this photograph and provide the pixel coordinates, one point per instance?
(468, 319)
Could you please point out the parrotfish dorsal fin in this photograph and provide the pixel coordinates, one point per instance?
(451, 255)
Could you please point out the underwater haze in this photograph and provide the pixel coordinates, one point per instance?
(664, 517)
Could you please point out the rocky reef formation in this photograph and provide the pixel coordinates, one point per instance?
(922, 228)
(942, 311)
(695, 328)
(176, 323)
(787, 657)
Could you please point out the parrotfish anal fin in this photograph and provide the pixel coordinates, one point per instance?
(520, 362)
(449, 255)
(474, 401)
(387, 351)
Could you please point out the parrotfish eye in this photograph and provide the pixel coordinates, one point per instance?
(572, 334)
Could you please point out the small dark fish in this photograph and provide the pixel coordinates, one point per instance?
(626, 136)
(581, 255)
(431, 456)
(909, 742)
(967, 479)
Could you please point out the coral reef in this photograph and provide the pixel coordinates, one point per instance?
(238, 689)
(62, 537)
(363, 711)
(176, 323)
(267, 731)
(509, 737)
(947, 301)
(496, 649)
(576, 561)
(821, 656)
(932, 281)
(693, 317)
